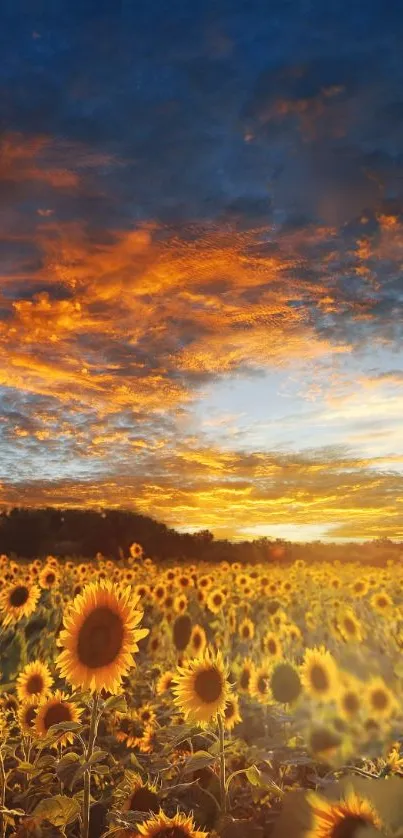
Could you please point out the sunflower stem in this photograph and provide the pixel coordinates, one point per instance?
(2, 796)
(87, 775)
(223, 788)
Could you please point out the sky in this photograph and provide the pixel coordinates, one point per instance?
(201, 251)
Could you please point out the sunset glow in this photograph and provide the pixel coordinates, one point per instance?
(201, 295)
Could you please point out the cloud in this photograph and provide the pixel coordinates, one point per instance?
(182, 207)
(199, 488)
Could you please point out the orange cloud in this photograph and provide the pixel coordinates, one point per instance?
(198, 488)
(142, 315)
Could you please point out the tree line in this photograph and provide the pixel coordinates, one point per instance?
(29, 533)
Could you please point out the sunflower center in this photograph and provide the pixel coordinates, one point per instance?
(262, 684)
(181, 631)
(323, 741)
(272, 646)
(319, 678)
(30, 716)
(35, 684)
(56, 714)
(244, 680)
(208, 685)
(171, 832)
(19, 596)
(349, 625)
(50, 578)
(100, 638)
(144, 800)
(351, 702)
(217, 599)
(379, 699)
(347, 827)
(285, 684)
(197, 641)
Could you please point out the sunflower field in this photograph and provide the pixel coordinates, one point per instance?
(186, 701)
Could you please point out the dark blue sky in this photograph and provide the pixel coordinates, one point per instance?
(174, 88)
(201, 248)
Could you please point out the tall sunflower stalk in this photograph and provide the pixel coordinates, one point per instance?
(201, 691)
(98, 642)
(2, 795)
(95, 718)
(223, 783)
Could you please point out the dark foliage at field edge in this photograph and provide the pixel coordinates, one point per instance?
(77, 532)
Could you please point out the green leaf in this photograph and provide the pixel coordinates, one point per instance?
(81, 697)
(46, 761)
(135, 763)
(254, 775)
(13, 813)
(26, 768)
(58, 810)
(97, 756)
(64, 727)
(102, 769)
(117, 703)
(198, 760)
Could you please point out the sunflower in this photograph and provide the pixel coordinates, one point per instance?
(18, 600)
(184, 581)
(128, 728)
(232, 715)
(181, 631)
(260, 681)
(379, 699)
(100, 637)
(168, 604)
(146, 714)
(349, 627)
(136, 551)
(198, 640)
(201, 689)
(323, 742)
(349, 699)
(155, 643)
(293, 633)
(159, 594)
(382, 602)
(246, 630)
(204, 582)
(319, 674)
(27, 715)
(271, 645)
(161, 826)
(331, 818)
(52, 711)
(165, 682)
(285, 683)
(146, 743)
(215, 600)
(35, 679)
(359, 588)
(9, 705)
(48, 577)
(245, 676)
(141, 591)
(141, 797)
(180, 603)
